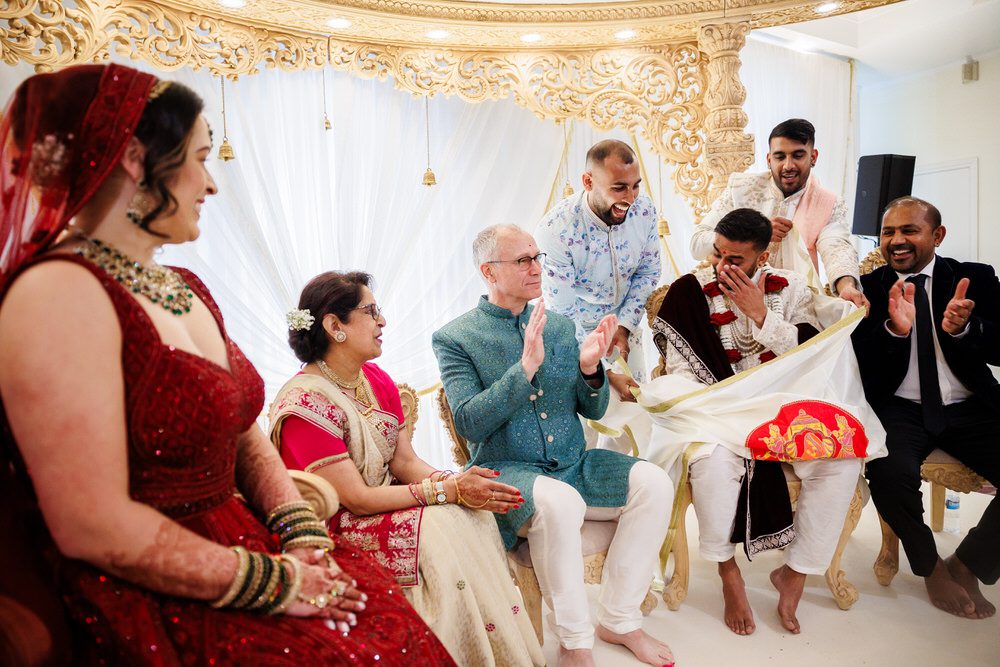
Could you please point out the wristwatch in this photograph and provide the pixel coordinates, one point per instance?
(440, 496)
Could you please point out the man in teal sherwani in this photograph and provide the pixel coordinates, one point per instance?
(517, 382)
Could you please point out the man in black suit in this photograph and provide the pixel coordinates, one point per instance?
(933, 327)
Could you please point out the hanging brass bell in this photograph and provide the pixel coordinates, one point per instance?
(226, 151)
(567, 189)
(429, 178)
(326, 122)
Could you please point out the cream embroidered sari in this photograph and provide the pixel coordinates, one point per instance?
(459, 584)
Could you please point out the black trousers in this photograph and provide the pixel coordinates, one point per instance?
(973, 437)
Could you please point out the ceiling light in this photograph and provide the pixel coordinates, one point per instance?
(531, 37)
(233, 4)
(827, 7)
(438, 34)
(625, 34)
(340, 24)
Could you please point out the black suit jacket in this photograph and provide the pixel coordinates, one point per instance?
(884, 359)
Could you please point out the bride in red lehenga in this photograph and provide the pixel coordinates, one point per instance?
(128, 418)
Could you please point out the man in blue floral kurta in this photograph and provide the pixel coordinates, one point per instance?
(603, 252)
(517, 380)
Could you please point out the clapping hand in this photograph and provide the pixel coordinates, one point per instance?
(534, 345)
(959, 309)
(596, 344)
(902, 312)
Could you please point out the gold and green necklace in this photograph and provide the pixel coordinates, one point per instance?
(159, 284)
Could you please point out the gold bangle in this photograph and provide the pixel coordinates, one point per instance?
(286, 507)
(283, 513)
(243, 564)
(257, 566)
(266, 596)
(291, 592)
(428, 490)
(309, 541)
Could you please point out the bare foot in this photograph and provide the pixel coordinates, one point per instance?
(576, 657)
(738, 615)
(963, 577)
(947, 594)
(790, 585)
(648, 649)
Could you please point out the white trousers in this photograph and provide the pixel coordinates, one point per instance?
(827, 489)
(556, 547)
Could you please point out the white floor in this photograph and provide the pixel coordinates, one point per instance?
(886, 627)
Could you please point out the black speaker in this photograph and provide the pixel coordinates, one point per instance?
(881, 178)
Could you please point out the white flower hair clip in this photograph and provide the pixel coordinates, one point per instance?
(299, 319)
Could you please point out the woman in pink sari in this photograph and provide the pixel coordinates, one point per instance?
(341, 418)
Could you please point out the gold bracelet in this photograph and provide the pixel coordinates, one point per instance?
(428, 490)
(309, 541)
(280, 511)
(291, 592)
(243, 564)
(264, 598)
(255, 584)
(461, 500)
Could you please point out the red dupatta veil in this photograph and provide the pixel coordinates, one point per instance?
(60, 138)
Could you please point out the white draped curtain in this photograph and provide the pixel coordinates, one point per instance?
(299, 199)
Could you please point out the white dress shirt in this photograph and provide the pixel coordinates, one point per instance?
(952, 391)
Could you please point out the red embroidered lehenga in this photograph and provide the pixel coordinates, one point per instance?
(184, 414)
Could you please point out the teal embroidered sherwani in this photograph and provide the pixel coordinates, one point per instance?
(525, 429)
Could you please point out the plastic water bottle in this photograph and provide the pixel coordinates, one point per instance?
(951, 503)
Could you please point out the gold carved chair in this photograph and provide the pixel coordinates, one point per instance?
(942, 470)
(597, 536)
(676, 590)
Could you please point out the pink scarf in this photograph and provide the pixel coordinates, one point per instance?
(812, 214)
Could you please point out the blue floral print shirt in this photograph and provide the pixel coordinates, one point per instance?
(592, 269)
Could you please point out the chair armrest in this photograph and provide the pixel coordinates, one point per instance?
(317, 492)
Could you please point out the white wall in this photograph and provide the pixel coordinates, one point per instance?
(937, 118)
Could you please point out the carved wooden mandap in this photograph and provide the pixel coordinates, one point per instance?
(666, 70)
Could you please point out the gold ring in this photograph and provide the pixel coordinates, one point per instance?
(338, 588)
(493, 494)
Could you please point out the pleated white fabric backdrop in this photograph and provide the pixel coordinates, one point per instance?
(299, 200)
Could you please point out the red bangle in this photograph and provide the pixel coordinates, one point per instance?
(415, 496)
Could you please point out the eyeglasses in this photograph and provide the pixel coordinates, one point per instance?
(372, 309)
(523, 263)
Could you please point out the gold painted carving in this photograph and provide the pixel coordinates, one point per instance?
(656, 92)
(499, 25)
(681, 90)
(887, 562)
(954, 476)
(728, 149)
(805, 11)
